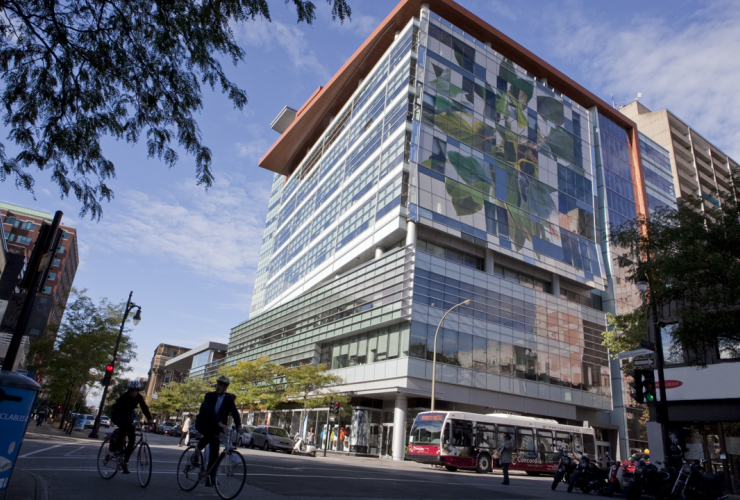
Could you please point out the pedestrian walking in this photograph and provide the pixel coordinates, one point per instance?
(41, 415)
(185, 432)
(310, 437)
(505, 455)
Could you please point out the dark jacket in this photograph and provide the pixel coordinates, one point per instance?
(207, 420)
(124, 407)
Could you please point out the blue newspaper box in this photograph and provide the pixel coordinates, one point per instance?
(17, 394)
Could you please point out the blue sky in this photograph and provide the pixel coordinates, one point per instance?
(190, 256)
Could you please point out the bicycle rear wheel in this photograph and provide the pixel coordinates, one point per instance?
(144, 465)
(231, 473)
(189, 474)
(107, 463)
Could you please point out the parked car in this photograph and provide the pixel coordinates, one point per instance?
(176, 431)
(243, 439)
(628, 466)
(166, 427)
(105, 422)
(84, 421)
(271, 438)
(150, 427)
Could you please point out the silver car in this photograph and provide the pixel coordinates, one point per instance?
(243, 439)
(271, 438)
(105, 422)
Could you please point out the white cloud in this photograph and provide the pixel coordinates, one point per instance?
(269, 35)
(252, 150)
(216, 234)
(689, 66)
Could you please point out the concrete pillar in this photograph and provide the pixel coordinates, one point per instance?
(489, 261)
(555, 285)
(379, 251)
(399, 427)
(410, 233)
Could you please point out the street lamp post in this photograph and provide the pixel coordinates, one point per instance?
(137, 317)
(662, 408)
(434, 358)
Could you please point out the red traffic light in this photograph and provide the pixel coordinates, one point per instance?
(109, 368)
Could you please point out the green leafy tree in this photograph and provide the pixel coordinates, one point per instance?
(691, 260)
(308, 384)
(79, 70)
(257, 384)
(180, 397)
(625, 333)
(118, 387)
(77, 356)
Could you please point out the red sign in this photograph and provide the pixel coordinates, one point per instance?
(671, 384)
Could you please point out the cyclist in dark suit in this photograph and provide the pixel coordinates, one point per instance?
(211, 421)
(122, 415)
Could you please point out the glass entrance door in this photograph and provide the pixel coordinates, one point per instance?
(386, 446)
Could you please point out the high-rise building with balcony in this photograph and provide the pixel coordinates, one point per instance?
(699, 167)
(445, 162)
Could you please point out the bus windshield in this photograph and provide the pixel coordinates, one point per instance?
(427, 428)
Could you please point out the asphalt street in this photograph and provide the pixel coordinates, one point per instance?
(67, 464)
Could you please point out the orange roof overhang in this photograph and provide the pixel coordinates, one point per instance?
(315, 115)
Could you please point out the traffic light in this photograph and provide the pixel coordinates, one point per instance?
(334, 406)
(649, 387)
(108, 374)
(637, 385)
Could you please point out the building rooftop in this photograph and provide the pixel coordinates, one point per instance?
(182, 362)
(27, 211)
(315, 115)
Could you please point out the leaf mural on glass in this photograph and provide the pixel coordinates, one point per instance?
(471, 170)
(552, 109)
(466, 200)
(560, 143)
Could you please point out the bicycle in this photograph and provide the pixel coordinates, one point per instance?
(230, 470)
(110, 462)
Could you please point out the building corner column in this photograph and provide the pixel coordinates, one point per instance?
(555, 285)
(410, 233)
(399, 427)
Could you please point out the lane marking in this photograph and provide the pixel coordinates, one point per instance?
(74, 451)
(39, 451)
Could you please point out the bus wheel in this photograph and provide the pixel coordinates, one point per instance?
(483, 464)
(451, 468)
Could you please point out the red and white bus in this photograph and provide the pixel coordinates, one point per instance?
(461, 440)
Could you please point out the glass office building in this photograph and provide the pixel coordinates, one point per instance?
(445, 163)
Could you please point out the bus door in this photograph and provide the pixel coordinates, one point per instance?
(526, 451)
(547, 451)
(459, 447)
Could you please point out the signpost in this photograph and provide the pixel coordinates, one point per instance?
(635, 353)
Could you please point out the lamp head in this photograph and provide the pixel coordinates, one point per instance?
(137, 316)
(466, 302)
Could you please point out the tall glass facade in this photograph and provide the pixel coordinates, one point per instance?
(450, 174)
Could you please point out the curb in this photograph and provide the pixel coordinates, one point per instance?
(42, 487)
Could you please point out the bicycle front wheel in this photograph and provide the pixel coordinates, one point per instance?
(107, 463)
(144, 465)
(190, 469)
(231, 473)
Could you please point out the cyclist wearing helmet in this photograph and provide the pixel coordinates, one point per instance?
(211, 421)
(122, 415)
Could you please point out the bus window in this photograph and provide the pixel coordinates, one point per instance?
(446, 435)
(427, 429)
(589, 445)
(563, 443)
(546, 451)
(577, 444)
(503, 431)
(525, 443)
(485, 436)
(460, 443)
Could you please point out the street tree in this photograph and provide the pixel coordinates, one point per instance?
(257, 384)
(76, 71)
(74, 360)
(691, 260)
(625, 333)
(180, 397)
(117, 388)
(310, 386)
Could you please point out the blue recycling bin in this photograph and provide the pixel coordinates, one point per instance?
(17, 394)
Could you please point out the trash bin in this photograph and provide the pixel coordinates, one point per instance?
(17, 394)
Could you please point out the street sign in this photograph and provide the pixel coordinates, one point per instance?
(643, 362)
(632, 354)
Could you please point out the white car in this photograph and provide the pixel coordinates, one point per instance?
(243, 439)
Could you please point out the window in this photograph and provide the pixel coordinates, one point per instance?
(47, 290)
(28, 226)
(11, 237)
(12, 221)
(52, 276)
(56, 262)
(65, 235)
(60, 249)
(24, 240)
